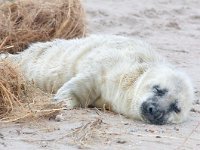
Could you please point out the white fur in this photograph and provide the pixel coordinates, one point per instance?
(105, 71)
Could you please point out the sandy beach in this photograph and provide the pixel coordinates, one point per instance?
(173, 29)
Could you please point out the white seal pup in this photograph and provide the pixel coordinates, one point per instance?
(121, 73)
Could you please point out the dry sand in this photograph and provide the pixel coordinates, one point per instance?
(171, 26)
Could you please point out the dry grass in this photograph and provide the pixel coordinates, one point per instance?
(25, 21)
(21, 23)
(12, 87)
(84, 135)
(20, 100)
(85, 132)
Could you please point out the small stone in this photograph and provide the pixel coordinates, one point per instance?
(121, 141)
(175, 128)
(59, 118)
(1, 136)
(149, 130)
(158, 136)
(43, 144)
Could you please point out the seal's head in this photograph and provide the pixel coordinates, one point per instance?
(163, 95)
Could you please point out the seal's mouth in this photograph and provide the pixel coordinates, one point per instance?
(156, 122)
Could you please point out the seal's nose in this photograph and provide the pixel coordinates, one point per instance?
(151, 111)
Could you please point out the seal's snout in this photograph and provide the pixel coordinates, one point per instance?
(152, 113)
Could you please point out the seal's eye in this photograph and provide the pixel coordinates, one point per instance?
(174, 107)
(158, 91)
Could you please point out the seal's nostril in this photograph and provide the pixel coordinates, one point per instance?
(151, 109)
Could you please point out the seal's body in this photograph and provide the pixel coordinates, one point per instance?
(117, 72)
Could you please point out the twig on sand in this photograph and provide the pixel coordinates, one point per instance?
(3, 42)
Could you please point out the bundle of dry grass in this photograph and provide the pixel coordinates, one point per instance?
(11, 88)
(25, 21)
(20, 100)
